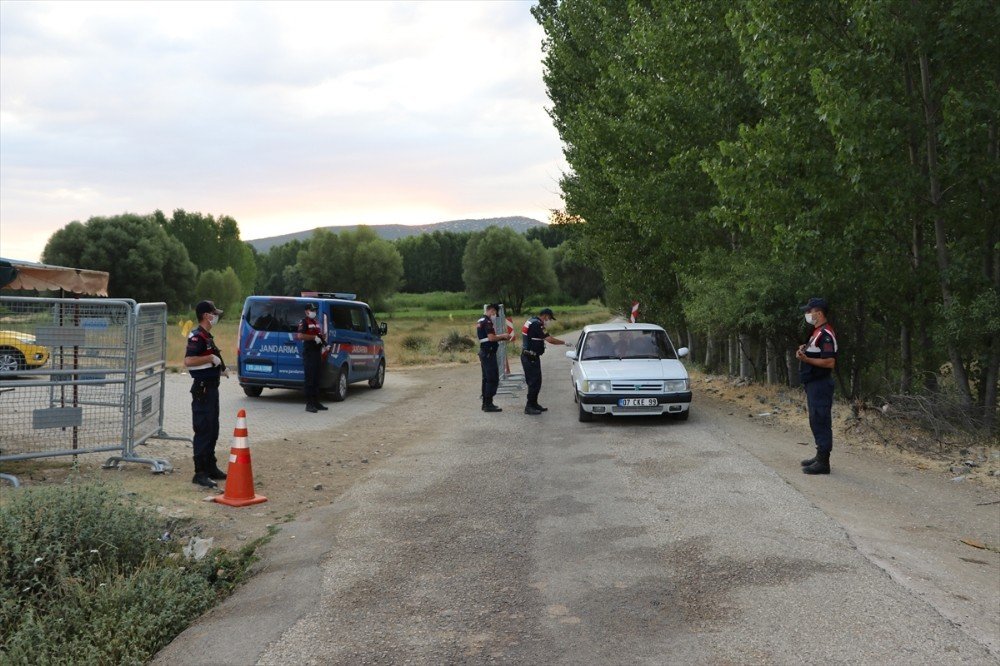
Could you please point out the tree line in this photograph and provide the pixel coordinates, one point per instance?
(187, 256)
(732, 160)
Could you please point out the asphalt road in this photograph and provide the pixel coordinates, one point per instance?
(540, 540)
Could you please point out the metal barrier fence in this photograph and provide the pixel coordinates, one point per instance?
(81, 376)
(510, 381)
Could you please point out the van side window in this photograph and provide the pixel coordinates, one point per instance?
(274, 316)
(341, 317)
(372, 325)
(358, 320)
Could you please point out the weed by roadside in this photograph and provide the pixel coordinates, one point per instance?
(89, 578)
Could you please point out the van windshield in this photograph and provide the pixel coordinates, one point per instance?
(278, 316)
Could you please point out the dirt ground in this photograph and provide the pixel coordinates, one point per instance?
(296, 472)
(302, 471)
(870, 431)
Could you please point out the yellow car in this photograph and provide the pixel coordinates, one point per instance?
(18, 351)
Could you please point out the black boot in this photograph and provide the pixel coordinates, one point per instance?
(530, 409)
(320, 406)
(822, 464)
(311, 408)
(540, 408)
(810, 461)
(201, 475)
(488, 406)
(213, 471)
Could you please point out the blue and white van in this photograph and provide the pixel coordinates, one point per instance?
(269, 356)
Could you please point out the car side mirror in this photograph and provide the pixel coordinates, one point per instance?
(571, 354)
(383, 328)
(682, 352)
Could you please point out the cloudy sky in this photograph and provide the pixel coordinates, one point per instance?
(286, 116)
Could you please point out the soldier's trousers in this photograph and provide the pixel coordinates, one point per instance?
(205, 418)
(312, 362)
(819, 396)
(491, 374)
(532, 366)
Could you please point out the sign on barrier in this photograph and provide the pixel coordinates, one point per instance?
(81, 376)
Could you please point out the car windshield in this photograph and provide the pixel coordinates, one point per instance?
(629, 344)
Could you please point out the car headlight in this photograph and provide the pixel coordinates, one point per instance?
(596, 387)
(675, 386)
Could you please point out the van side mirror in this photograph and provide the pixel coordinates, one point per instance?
(383, 328)
(682, 352)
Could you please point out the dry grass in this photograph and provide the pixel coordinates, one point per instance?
(225, 334)
(400, 342)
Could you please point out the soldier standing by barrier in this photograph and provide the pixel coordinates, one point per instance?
(312, 357)
(204, 362)
(488, 344)
(533, 339)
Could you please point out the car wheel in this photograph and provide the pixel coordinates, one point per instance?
(340, 384)
(253, 391)
(585, 416)
(11, 360)
(378, 380)
(682, 416)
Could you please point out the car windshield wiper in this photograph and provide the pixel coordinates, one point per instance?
(599, 358)
(637, 356)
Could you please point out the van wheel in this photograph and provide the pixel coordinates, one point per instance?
(340, 385)
(378, 380)
(585, 416)
(253, 391)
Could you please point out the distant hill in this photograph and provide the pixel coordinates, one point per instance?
(394, 231)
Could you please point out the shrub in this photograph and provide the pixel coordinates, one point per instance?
(455, 341)
(413, 342)
(86, 579)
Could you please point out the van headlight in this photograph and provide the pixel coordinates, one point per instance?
(675, 386)
(596, 387)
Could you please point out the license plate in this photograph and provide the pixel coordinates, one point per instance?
(638, 402)
(257, 367)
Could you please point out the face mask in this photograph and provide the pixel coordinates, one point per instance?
(809, 318)
(213, 319)
(311, 314)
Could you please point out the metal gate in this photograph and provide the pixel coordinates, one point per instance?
(510, 382)
(81, 376)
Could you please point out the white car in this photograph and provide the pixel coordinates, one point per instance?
(629, 370)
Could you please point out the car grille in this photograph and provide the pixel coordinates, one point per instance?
(640, 385)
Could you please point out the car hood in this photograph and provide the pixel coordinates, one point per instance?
(634, 369)
(20, 337)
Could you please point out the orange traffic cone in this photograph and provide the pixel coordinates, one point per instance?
(239, 475)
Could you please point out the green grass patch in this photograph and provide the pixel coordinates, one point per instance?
(435, 301)
(87, 579)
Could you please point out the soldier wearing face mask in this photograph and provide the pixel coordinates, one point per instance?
(817, 359)
(204, 363)
(311, 335)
